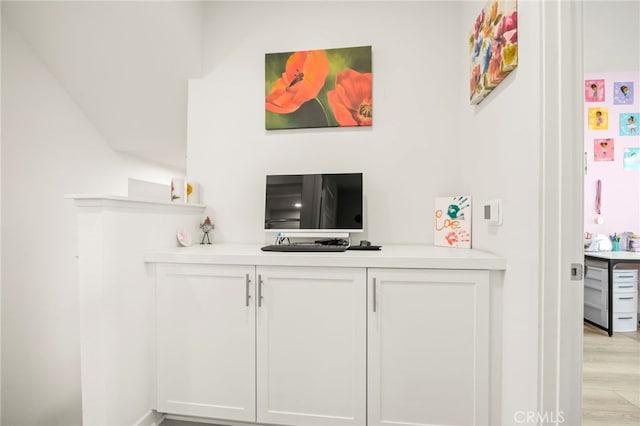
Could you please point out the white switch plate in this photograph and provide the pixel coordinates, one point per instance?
(493, 212)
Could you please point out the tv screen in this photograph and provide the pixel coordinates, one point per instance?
(312, 202)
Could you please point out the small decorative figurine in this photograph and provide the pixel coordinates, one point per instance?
(206, 225)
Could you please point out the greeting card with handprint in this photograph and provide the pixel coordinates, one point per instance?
(452, 222)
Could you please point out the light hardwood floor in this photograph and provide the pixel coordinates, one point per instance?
(611, 378)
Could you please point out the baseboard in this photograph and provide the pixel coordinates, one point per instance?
(151, 418)
(216, 422)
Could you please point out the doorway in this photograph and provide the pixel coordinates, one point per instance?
(611, 365)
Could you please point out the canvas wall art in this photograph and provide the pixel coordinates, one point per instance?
(594, 90)
(631, 159)
(623, 93)
(452, 222)
(598, 118)
(603, 149)
(629, 124)
(493, 46)
(319, 88)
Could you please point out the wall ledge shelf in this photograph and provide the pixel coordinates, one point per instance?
(118, 201)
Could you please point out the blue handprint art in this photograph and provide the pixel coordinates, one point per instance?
(456, 209)
(452, 221)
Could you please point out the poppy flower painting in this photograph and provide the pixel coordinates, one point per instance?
(318, 88)
(493, 46)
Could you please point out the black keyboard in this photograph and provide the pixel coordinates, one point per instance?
(304, 247)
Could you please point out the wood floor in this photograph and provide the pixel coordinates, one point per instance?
(611, 378)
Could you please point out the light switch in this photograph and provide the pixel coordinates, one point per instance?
(493, 212)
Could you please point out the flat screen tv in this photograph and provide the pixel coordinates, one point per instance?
(314, 203)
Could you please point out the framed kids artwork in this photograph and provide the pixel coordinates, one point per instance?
(603, 149)
(452, 222)
(623, 93)
(629, 124)
(631, 159)
(598, 118)
(594, 90)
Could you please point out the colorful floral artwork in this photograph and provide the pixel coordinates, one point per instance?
(493, 46)
(629, 124)
(603, 149)
(594, 90)
(623, 93)
(598, 118)
(318, 88)
(452, 222)
(631, 159)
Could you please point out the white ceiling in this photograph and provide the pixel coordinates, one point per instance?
(126, 64)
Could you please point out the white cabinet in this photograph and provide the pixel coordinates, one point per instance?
(596, 293)
(428, 347)
(310, 336)
(323, 346)
(311, 346)
(625, 299)
(206, 341)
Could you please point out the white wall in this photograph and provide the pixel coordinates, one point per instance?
(426, 141)
(49, 148)
(409, 155)
(500, 151)
(125, 64)
(611, 36)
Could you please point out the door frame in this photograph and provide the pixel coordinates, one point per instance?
(561, 307)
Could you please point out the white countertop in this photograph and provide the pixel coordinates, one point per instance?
(615, 255)
(392, 256)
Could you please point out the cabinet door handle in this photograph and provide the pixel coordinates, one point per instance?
(625, 298)
(625, 317)
(625, 276)
(374, 295)
(247, 295)
(625, 286)
(259, 290)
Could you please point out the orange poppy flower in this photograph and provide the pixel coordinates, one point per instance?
(351, 99)
(304, 76)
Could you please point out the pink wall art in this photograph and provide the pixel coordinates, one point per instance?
(493, 44)
(594, 90)
(603, 149)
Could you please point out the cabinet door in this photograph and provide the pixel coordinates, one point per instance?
(428, 347)
(311, 343)
(206, 341)
(596, 295)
